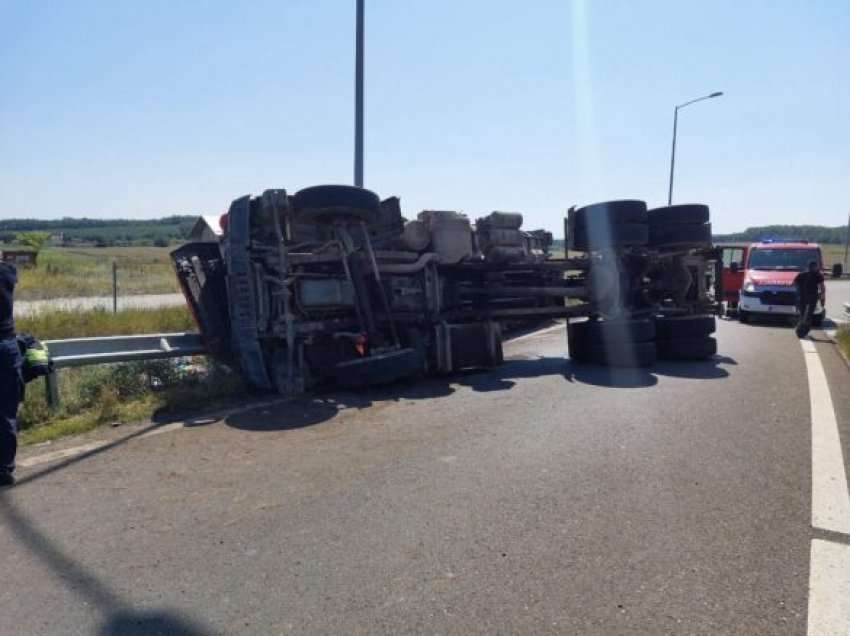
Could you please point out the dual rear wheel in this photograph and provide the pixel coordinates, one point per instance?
(640, 342)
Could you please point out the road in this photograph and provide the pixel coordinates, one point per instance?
(541, 498)
(142, 301)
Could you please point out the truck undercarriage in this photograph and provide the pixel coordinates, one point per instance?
(333, 284)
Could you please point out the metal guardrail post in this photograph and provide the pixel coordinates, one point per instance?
(51, 389)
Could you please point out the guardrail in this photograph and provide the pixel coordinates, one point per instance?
(80, 352)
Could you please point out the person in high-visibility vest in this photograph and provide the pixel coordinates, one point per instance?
(11, 377)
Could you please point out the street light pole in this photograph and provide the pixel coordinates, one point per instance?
(673, 151)
(358, 98)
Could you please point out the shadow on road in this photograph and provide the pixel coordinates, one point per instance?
(119, 617)
(323, 406)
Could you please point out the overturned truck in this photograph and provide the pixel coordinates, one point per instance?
(332, 284)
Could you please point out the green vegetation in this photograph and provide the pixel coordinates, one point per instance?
(55, 325)
(842, 337)
(120, 393)
(814, 233)
(77, 272)
(33, 240)
(91, 396)
(103, 232)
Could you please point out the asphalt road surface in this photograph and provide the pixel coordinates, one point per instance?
(694, 498)
(837, 293)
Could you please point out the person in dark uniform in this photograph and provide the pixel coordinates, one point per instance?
(810, 289)
(11, 379)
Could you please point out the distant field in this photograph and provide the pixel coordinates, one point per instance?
(832, 254)
(74, 272)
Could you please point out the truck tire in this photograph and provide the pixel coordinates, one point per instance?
(743, 316)
(625, 354)
(694, 213)
(382, 368)
(327, 203)
(603, 331)
(611, 236)
(678, 327)
(687, 348)
(837, 270)
(682, 235)
(610, 213)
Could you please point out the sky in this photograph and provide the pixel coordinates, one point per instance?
(145, 109)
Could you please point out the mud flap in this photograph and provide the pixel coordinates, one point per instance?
(243, 314)
(200, 270)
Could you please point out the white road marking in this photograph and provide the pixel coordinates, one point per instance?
(829, 561)
(830, 497)
(829, 589)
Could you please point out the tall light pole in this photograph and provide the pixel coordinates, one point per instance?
(673, 153)
(358, 98)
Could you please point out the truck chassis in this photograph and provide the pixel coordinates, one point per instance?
(332, 284)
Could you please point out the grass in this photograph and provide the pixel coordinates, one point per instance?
(127, 392)
(842, 337)
(54, 325)
(76, 272)
(121, 393)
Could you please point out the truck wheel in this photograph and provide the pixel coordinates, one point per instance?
(680, 235)
(677, 214)
(625, 354)
(599, 237)
(677, 327)
(610, 213)
(328, 203)
(743, 316)
(687, 348)
(603, 331)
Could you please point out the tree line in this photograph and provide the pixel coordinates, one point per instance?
(813, 233)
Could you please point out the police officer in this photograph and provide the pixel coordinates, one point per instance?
(11, 379)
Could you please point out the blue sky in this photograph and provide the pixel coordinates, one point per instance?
(142, 109)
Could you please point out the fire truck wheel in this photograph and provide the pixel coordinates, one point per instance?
(678, 214)
(625, 354)
(687, 348)
(600, 238)
(610, 213)
(330, 203)
(680, 235)
(676, 327)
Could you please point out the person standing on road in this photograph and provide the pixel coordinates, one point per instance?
(810, 289)
(11, 379)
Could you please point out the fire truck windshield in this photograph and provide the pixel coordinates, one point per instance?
(782, 258)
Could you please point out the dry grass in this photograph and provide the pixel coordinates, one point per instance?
(55, 325)
(78, 272)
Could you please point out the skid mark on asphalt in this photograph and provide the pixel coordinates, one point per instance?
(829, 567)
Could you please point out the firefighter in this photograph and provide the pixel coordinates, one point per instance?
(11, 378)
(810, 289)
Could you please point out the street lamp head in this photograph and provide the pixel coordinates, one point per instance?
(717, 94)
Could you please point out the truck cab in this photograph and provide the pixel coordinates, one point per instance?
(768, 280)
